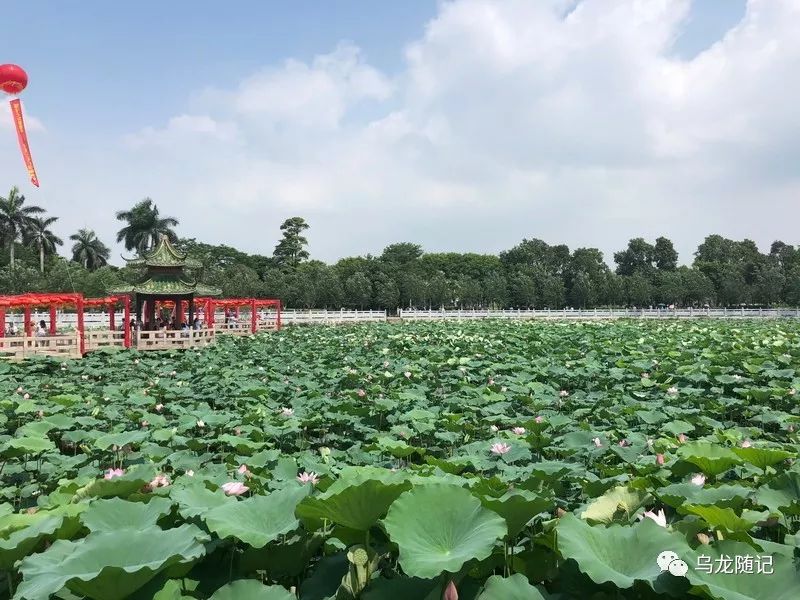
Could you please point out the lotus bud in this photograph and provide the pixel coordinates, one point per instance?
(450, 592)
(703, 538)
(560, 512)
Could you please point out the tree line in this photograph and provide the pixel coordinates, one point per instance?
(531, 274)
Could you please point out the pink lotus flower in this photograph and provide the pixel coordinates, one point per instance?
(494, 429)
(243, 470)
(234, 488)
(159, 407)
(539, 419)
(518, 430)
(699, 479)
(84, 377)
(450, 592)
(746, 444)
(190, 473)
(659, 459)
(673, 390)
(311, 478)
(623, 443)
(40, 414)
(791, 428)
(597, 443)
(504, 389)
(792, 392)
(645, 375)
(490, 382)
(19, 390)
(111, 473)
(160, 480)
(26, 396)
(173, 373)
(563, 393)
(385, 364)
(407, 374)
(361, 393)
(658, 517)
(237, 430)
(145, 423)
(287, 412)
(201, 424)
(682, 438)
(500, 448)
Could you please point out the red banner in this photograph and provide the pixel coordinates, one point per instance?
(16, 110)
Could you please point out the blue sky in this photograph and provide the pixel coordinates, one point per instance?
(363, 116)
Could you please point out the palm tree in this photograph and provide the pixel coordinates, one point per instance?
(15, 219)
(39, 236)
(88, 250)
(144, 226)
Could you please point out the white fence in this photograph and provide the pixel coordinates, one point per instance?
(100, 320)
(602, 313)
(332, 316)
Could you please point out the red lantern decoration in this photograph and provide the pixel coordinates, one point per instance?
(14, 79)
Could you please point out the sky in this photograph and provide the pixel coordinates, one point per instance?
(464, 125)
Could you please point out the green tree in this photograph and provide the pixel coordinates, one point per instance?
(358, 290)
(636, 258)
(469, 292)
(40, 237)
(638, 290)
(387, 294)
(290, 251)
(88, 250)
(143, 226)
(401, 254)
(15, 220)
(522, 290)
(664, 255)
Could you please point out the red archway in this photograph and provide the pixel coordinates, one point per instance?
(110, 304)
(27, 302)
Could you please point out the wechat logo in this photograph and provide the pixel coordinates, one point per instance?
(669, 561)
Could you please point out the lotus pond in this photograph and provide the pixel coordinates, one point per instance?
(489, 460)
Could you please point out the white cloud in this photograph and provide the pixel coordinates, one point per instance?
(571, 121)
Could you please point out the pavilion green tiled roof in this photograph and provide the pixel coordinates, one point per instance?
(164, 255)
(165, 274)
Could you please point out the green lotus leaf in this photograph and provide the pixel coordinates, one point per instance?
(124, 485)
(782, 494)
(762, 457)
(439, 527)
(678, 494)
(518, 507)
(403, 588)
(722, 518)
(604, 553)
(617, 504)
(108, 565)
(22, 541)
(197, 499)
(515, 587)
(121, 514)
(26, 445)
(125, 438)
(250, 589)
(357, 506)
(710, 458)
(258, 520)
(782, 584)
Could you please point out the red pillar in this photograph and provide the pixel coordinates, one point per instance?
(253, 316)
(210, 314)
(178, 312)
(2, 322)
(26, 326)
(111, 316)
(236, 312)
(52, 319)
(278, 317)
(127, 325)
(79, 307)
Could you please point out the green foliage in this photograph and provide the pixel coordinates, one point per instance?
(407, 495)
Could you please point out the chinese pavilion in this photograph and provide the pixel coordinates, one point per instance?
(165, 280)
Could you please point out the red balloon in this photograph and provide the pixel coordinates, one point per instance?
(13, 79)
